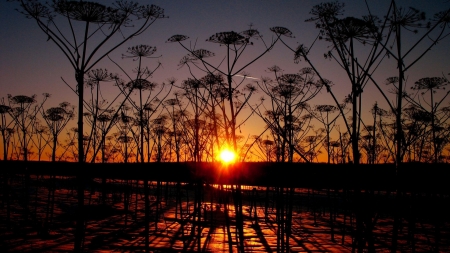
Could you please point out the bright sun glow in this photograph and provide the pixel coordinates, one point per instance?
(227, 156)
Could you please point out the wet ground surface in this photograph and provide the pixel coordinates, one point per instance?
(39, 222)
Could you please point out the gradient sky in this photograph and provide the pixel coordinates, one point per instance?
(31, 65)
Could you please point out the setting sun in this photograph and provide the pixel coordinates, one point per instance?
(227, 156)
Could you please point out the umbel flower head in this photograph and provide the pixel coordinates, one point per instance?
(201, 53)
(35, 9)
(95, 76)
(430, 83)
(300, 52)
(192, 84)
(56, 114)
(84, 11)
(409, 19)
(140, 51)
(228, 38)
(282, 31)
(22, 99)
(442, 17)
(195, 55)
(150, 11)
(177, 38)
(326, 108)
(326, 11)
(140, 84)
(290, 79)
(354, 28)
(4, 109)
(94, 12)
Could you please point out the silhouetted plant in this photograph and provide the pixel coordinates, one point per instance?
(56, 119)
(311, 144)
(430, 85)
(100, 24)
(173, 108)
(70, 152)
(266, 149)
(96, 108)
(194, 91)
(375, 149)
(323, 115)
(24, 115)
(5, 125)
(344, 143)
(235, 44)
(124, 20)
(42, 138)
(147, 104)
(140, 84)
(399, 20)
(125, 127)
(214, 111)
(343, 34)
(105, 121)
(289, 94)
(417, 133)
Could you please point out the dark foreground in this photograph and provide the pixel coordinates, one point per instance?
(38, 212)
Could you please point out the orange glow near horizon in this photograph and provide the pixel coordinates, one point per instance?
(227, 156)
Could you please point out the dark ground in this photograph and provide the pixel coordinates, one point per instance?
(40, 222)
